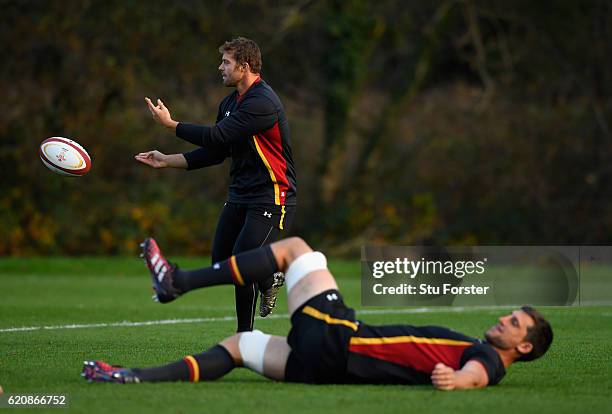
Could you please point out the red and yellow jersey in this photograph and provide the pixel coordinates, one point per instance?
(408, 354)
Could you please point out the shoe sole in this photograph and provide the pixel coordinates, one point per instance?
(267, 310)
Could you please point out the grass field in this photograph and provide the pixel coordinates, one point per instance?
(576, 375)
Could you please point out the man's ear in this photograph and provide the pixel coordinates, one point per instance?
(524, 348)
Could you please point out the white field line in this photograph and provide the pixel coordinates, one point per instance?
(223, 319)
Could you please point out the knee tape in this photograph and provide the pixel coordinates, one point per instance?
(306, 263)
(252, 347)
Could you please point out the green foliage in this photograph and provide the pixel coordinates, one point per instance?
(445, 121)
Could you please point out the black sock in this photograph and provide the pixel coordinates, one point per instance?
(209, 365)
(242, 269)
(214, 363)
(176, 371)
(266, 284)
(246, 304)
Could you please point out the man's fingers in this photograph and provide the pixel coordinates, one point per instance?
(442, 377)
(146, 161)
(143, 160)
(154, 109)
(442, 383)
(441, 368)
(150, 103)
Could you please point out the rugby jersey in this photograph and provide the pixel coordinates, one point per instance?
(253, 130)
(408, 354)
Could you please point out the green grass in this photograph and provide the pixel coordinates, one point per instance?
(574, 377)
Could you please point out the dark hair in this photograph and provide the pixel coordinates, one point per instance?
(244, 51)
(540, 335)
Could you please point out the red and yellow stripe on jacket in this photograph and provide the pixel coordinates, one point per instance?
(270, 149)
(419, 353)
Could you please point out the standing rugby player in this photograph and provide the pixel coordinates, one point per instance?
(253, 131)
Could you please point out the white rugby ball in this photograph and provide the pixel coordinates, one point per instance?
(64, 156)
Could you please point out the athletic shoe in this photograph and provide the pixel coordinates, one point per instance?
(268, 298)
(162, 272)
(100, 371)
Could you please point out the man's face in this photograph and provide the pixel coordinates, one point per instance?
(231, 72)
(510, 332)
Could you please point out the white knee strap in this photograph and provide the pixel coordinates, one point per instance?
(252, 347)
(300, 267)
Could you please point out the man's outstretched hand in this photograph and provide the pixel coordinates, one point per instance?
(157, 159)
(161, 114)
(153, 159)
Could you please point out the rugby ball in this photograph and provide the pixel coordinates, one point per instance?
(64, 156)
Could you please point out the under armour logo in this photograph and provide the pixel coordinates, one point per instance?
(268, 215)
(332, 296)
(227, 113)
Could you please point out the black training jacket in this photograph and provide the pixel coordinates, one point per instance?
(253, 130)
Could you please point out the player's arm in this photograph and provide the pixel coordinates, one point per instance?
(203, 157)
(256, 113)
(157, 159)
(471, 375)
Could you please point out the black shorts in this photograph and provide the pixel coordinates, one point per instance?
(320, 333)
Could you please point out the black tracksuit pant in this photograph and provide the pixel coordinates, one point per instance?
(243, 227)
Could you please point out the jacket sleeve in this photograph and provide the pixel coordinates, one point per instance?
(202, 157)
(190, 133)
(257, 113)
